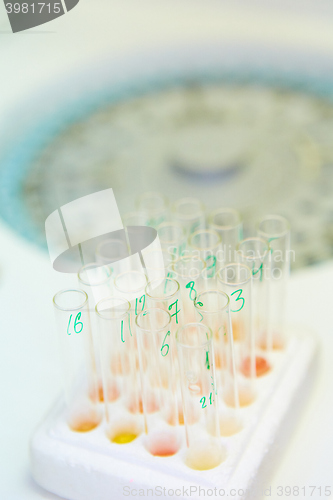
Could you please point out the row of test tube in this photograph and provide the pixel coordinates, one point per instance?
(172, 350)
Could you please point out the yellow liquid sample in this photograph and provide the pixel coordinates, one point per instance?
(229, 426)
(205, 458)
(124, 437)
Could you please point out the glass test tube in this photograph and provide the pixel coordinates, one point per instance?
(189, 213)
(189, 274)
(207, 244)
(138, 218)
(131, 286)
(255, 253)
(236, 281)
(80, 382)
(155, 206)
(120, 385)
(199, 396)
(276, 230)
(228, 223)
(158, 382)
(165, 294)
(213, 310)
(172, 238)
(112, 252)
(95, 280)
(158, 264)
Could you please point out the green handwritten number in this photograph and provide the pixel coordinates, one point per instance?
(165, 345)
(203, 402)
(257, 271)
(200, 304)
(177, 310)
(207, 360)
(190, 285)
(211, 266)
(122, 331)
(136, 304)
(129, 325)
(238, 298)
(76, 323)
(69, 322)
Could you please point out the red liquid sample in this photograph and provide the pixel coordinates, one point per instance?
(262, 366)
(163, 446)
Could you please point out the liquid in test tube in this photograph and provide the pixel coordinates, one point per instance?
(72, 317)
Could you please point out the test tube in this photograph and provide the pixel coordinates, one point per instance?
(158, 264)
(131, 286)
(80, 382)
(236, 280)
(112, 252)
(207, 245)
(172, 238)
(213, 310)
(95, 280)
(276, 230)
(189, 213)
(158, 382)
(138, 218)
(199, 396)
(189, 274)
(165, 294)
(228, 223)
(255, 253)
(121, 390)
(155, 206)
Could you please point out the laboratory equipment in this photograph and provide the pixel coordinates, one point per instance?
(79, 371)
(158, 382)
(131, 286)
(199, 394)
(172, 237)
(255, 253)
(236, 280)
(189, 213)
(120, 387)
(213, 310)
(228, 223)
(207, 244)
(188, 271)
(276, 230)
(158, 264)
(155, 206)
(165, 294)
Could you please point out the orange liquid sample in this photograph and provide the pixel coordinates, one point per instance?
(85, 424)
(113, 393)
(152, 406)
(163, 446)
(124, 437)
(262, 366)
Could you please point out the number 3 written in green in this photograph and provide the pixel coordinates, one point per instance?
(76, 323)
(238, 298)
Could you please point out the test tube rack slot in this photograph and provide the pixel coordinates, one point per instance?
(86, 466)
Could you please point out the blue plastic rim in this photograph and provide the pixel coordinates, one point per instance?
(20, 154)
